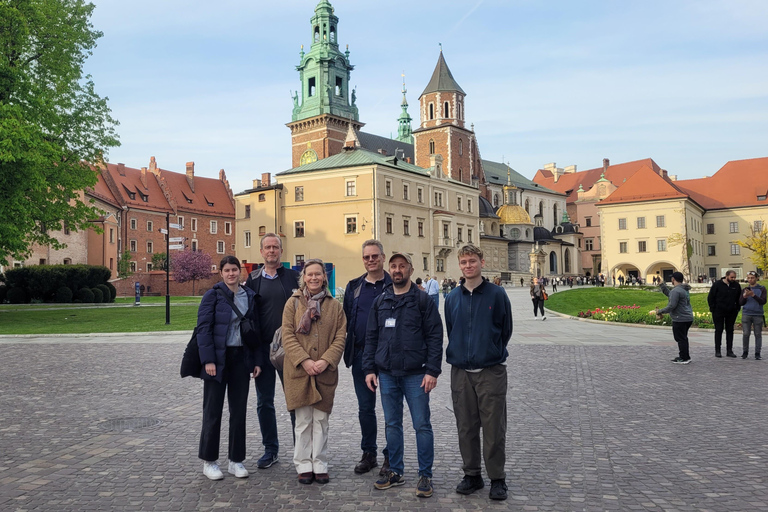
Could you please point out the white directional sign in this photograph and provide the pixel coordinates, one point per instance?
(175, 226)
(177, 239)
(163, 231)
(176, 246)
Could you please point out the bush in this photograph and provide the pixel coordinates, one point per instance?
(98, 296)
(41, 282)
(17, 296)
(3, 292)
(85, 295)
(105, 293)
(64, 295)
(112, 291)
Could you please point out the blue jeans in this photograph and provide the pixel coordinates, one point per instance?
(265, 407)
(436, 298)
(366, 407)
(393, 389)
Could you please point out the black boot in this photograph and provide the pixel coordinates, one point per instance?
(717, 352)
(367, 463)
(744, 354)
(730, 354)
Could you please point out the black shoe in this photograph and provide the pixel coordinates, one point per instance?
(744, 355)
(424, 487)
(391, 479)
(367, 463)
(730, 354)
(384, 466)
(267, 460)
(306, 478)
(498, 490)
(757, 357)
(322, 478)
(680, 360)
(470, 484)
(717, 353)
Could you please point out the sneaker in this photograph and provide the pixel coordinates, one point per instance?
(470, 484)
(744, 355)
(384, 466)
(424, 487)
(267, 460)
(237, 469)
(367, 463)
(212, 471)
(498, 490)
(757, 357)
(543, 318)
(391, 479)
(680, 360)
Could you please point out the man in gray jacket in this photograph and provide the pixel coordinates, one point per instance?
(681, 313)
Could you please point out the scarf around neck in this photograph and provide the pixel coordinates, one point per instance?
(313, 310)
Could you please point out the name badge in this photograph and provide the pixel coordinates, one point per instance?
(390, 322)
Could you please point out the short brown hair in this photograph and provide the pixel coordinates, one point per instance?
(375, 242)
(313, 261)
(470, 249)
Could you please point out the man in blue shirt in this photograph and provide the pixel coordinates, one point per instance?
(432, 287)
(752, 301)
(478, 317)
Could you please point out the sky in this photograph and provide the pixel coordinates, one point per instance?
(684, 82)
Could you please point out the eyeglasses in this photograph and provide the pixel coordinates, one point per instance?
(371, 257)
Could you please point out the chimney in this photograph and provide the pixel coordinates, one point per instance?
(144, 177)
(382, 151)
(409, 160)
(672, 177)
(121, 169)
(265, 179)
(152, 165)
(569, 169)
(191, 175)
(606, 163)
(256, 183)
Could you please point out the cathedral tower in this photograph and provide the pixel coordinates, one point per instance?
(322, 109)
(404, 131)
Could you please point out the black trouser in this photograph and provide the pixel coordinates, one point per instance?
(680, 332)
(538, 304)
(235, 383)
(727, 321)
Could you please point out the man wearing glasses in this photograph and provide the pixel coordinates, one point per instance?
(358, 298)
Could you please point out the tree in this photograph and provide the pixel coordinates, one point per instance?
(191, 266)
(124, 265)
(158, 261)
(757, 242)
(53, 125)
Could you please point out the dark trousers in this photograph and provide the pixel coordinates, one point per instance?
(538, 304)
(480, 400)
(680, 332)
(234, 382)
(727, 321)
(366, 406)
(265, 407)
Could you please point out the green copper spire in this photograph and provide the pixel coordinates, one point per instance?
(566, 219)
(324, 71)
(404, 133)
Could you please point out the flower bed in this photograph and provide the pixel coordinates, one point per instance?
(634, 314)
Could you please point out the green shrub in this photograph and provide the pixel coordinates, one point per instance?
(63, 295)
(3, 292)
(112, 291)
(105, 293)
(98, 296)
(17, 295)
(85, 295)
(41, 282)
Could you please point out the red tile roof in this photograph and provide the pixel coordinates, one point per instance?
(210, 197)
(644, 185)
(737, 184)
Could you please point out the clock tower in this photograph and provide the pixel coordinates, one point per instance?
(324, 105)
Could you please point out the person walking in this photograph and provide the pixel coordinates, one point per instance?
(403, 356)
(358, 299)
(478, 318)
(314, 330)
(752, 300)
(273, 284)
(680, 311)
(432, 288)
(228, 361)
(554, 284)
(537, 297)
(723, 300)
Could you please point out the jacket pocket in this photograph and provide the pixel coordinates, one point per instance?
(414, 355)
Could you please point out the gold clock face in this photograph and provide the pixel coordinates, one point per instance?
(308, 157)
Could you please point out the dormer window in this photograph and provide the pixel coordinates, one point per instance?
(208, 201)
(185, 197)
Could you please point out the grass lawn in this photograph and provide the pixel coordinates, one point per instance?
(81, 320)
(159, 300)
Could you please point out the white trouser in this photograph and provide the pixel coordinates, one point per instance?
(310, 455)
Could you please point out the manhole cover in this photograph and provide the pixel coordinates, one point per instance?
(128, 424)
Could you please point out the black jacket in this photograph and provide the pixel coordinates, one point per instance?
(288, 277)
(724, 297)
(351, 295)
(414, 346)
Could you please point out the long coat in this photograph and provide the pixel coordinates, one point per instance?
(325, 340)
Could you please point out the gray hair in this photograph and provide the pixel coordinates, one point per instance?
(375, 242)
(271, 235)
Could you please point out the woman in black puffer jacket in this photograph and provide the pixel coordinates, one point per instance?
(228, 362)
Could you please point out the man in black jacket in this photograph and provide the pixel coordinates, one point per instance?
(358, 299)
(723, 302)
(273, 285)
(403, 353)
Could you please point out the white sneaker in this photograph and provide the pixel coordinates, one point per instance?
(237, 469)
(212, 471)
(543, 318)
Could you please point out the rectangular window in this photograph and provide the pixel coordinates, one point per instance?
(588, 221)
(298, 229)
(622, 223)
(193, 225)
(150, 225)
(711, 250)
(351, 225)
(458, 203)
(661, 221)
(262, 230)
(439, 264)
(389, 225)
(735, 249)
(459, 234)
(713, 272)
(299, 194)
(133, 266)
(150, 246)
(133, 223)
(469, 236)
(641, 223)
(214, 227)
(438, 199)
(111, 235)
(227, 228)
(132, 245)
(180, 221)
(420, 194)
(421, 228)
(711, 230)
(758, 226)
(623, 247)
(247, 211)
(406, 227)
(406, 195)
(220, 247)
(446, 231)
(425, 262)
(641, 246)
(588, 244)
(469, 205)
(661, 245)
(66, 228)
(351, 188)
(734, 227)
(149, 267)
(111, 264)
(194, 245)
(299, 260)
(247, 238)
(388, 188)
(311, 86)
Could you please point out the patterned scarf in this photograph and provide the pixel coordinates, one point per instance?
(313, 310)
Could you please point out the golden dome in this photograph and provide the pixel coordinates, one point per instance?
(513, 214)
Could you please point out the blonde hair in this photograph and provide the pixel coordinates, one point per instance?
(469, 250)
(314, 261)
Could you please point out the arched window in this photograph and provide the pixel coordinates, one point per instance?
(461, 147)
(333, 34)
(495, 200)
(528, 206)
(458, 111)
(317, 34)
(552, 263)
(567, 262)
(431, 110)
(446, 110)
(431, 147)
(554, 215)
(541, 208)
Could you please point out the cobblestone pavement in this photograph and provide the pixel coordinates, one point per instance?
(599, 419)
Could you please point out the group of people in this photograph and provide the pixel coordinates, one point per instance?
(390, 333)
(726, 298)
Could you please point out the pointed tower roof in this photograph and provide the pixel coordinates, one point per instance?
(442, 79)
(404, 131)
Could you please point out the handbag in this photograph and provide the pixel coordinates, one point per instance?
(190, 361)
(276, 350)
(247, 329)
(544, 295)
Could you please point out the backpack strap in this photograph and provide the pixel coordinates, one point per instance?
(231, 303)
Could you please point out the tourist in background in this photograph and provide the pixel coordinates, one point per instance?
(537, 297)
(752, 301)
(680, 311)
(723, 300)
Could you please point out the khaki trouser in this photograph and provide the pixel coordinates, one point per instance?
(480, 400)
(310, 455)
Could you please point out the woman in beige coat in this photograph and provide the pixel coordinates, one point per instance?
(314, 333)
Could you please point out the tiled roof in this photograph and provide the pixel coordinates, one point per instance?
(133, 192)
(442, 79)
(739, 183)
(101, 191)
(393, 147)
(569, 183)
(496, 174)
(644, 185)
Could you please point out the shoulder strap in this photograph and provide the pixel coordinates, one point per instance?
(423, 298)
(231, 303)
